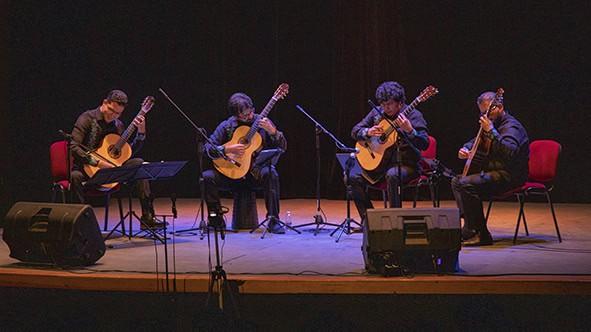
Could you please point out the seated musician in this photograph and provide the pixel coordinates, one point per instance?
(506, 167)
(241, 108)
(90, 129)
(391, 97)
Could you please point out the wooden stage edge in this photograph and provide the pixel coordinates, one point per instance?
(287, 284)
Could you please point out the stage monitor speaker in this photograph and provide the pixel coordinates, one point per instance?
(405, 241)
(62, 234)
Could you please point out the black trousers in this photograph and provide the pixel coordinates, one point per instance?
(469, 191)
(142, 187)
(359, 188)
(267, 179)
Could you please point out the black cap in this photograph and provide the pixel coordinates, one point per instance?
(117, 96)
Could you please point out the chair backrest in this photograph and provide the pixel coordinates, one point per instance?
(58, 159)
(543, 160)
(431, 152)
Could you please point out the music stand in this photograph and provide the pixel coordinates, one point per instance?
(129, 174)
(350, 168)
(269, 158)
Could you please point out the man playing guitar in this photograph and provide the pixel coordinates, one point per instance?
(391, 97)
(505, 166)
(90, 129)
(241, 108)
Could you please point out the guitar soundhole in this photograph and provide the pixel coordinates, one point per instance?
(243, 140)
(114, 152)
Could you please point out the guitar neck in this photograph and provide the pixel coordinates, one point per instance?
(409, 107)
(255, 126)
(128, 132)
(405, 111)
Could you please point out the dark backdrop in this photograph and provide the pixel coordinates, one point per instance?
(63, 57)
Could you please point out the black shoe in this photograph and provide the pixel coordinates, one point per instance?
(468, 233)
(149, 222)
(480, 239)
(275, 227)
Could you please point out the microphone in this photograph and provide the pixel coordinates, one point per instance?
(65, 135)
(173, 200)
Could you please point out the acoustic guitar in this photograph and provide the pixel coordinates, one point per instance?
(250, 137)
(372, 150)
(481, 148)
(114, 149)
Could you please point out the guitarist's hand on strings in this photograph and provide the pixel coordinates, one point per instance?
(266, 124)
(486, 124)
(140, 123)
(463, 153)
(403, 122)
(236, 150)
(375, 131)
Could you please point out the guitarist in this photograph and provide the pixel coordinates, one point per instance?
(241, 109)
(391, 97)
(90, 129)
(506, 167)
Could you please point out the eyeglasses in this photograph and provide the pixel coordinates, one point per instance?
(113, 111)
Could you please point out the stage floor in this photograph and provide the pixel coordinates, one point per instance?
(308, 263)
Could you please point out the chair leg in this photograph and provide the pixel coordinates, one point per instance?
(385, 198)
(108, 200)
(416, 198)
(490, 202)
(121, 215)
(523, 215)
(520, 199)
(553, 215)
(433, 194)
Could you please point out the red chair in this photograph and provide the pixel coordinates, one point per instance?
(424, 179)
(543, 163)
(60, 174)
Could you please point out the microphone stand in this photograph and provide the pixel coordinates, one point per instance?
(345, 226)
(201, 137)
(401, 137)
(318, 218)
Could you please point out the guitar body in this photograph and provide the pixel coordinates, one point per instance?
(112, 154)
(477, 157)
(239, 137)
(372, 151)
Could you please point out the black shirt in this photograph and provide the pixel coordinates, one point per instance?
(509, 150)
(90, 129)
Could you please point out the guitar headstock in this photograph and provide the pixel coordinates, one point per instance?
(282, 91)
(147, 104)
(499, 96)
(427, 93)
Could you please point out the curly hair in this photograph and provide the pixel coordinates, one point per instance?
(390, 91)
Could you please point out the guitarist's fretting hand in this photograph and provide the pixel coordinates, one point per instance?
(486, 123)
(403, 122)
(266, 124)
(463, 153)
(236, 150)
(140, 123)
